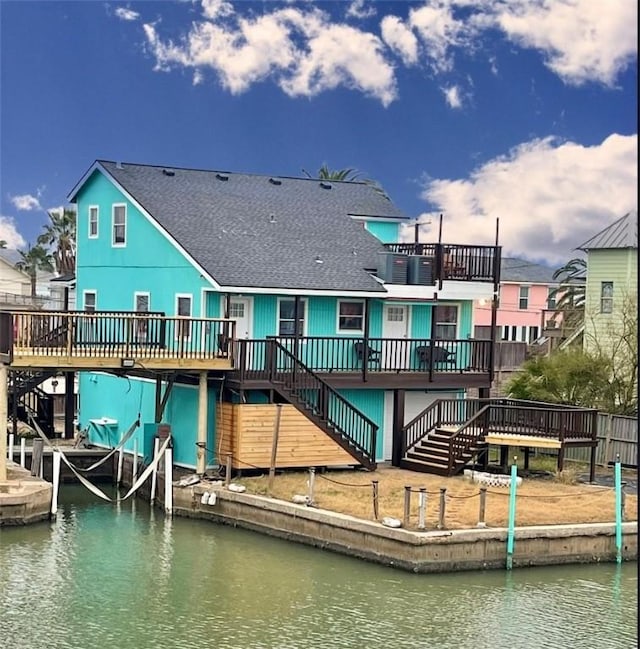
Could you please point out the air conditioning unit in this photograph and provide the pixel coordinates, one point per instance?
(420, 270)
(392, 267)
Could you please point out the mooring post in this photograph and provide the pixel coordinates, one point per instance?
(36, 457)
(227, 471)
(120, 461)
(374, 486)
(134, 469)
(407, 506)
(56, 482)
(312, 482)
(422, 508)
(154, 473)
(443, 504)
(23, 452)
(512, 513)
(483, 502)
(168, 481)
(10, 453)
(618, 490)
(623, 500)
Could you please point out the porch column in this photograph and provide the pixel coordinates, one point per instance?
(69, 386)
(4, 401)
(201, 455)
(365, 348)
(398, 424)
(296, 331)
(158, 406)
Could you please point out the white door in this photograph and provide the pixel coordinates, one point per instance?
(395, 325)
(240, 313)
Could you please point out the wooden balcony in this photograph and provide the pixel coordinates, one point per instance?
(115, 340)
(454, 261)
(399, 363)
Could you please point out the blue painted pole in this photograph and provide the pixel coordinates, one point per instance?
(512, 513)
(618, 489)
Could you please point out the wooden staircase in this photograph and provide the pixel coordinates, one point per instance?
(323, 405)
(29, 400)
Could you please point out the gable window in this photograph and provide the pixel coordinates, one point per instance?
(606, 297)
(446, 321)
(93, 221)
(119, 236)
(183, 310)
(350, 316)
(523, 302)
(286, 317)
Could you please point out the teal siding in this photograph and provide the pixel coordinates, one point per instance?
(148, 263)
(103, 395)
(420, 321)
(370, 403)
(384, 231)
(466, 320)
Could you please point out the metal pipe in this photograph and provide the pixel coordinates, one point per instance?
(618, 490)
(512, 513)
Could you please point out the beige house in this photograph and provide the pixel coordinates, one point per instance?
(611, 300)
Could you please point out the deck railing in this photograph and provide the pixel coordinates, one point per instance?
(106, 334)
(327, 355)
(456, 261)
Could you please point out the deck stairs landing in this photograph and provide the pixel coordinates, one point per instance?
(431, 454)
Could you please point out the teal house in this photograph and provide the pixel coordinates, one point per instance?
(246, 309)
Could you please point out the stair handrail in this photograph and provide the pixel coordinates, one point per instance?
(460, 442)
(288, 379)
(425, 422)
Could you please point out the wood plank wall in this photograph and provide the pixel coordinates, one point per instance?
(246, 431)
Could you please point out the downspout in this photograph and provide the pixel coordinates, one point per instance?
(365, 349)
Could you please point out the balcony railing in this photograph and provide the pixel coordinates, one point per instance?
(330, 355)
(456, 261)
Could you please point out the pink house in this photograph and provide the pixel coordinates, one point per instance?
(524, 296)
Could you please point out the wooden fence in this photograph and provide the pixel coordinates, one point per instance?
(617, 435)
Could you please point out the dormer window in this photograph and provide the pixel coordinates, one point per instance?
(93, 221)
(119, 229)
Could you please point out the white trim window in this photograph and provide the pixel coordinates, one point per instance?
(119, 225)
(350, 316)
(446, 321)
(92, 229)
(606, 297)
(523, 298)
(90, 301)
(86, 331)
(286, 317)
(184, 303)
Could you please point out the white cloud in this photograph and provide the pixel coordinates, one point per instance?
(10, 234)
(301, 49)
(581, 39)
(25, 202)
(305, 51)
(400, 39)
(452, 96)
(549, 196)
(126, 14)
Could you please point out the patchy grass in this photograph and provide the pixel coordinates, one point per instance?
(541, 501)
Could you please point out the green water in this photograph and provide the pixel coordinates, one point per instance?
(120, 577)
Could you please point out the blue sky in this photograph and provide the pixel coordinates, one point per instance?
(525, 111)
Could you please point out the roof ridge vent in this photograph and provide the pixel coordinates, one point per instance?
(221, 176)
(275, 181)
(325, 185)
(168, 172)
(118, 165)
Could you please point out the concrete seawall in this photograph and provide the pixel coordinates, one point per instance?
(429, 551)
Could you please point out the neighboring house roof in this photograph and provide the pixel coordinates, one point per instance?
(513, 269)
(623, 233)
(263, 231)
(10, 256)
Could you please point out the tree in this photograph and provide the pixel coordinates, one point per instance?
(3, 244)
(34, 259)
(346, 175)
(570, 293)
(59, 237)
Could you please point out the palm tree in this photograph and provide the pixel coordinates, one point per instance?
(571, 292)
(3, 244)
(346, 175)
(34, 259)
(59, 237)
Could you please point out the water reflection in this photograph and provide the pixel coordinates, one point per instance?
(102, 576)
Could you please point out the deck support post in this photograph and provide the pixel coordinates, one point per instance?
(561, 459)
(592, 464)
(398, 424)
(4, 402)
(526, 458)
(69, 404)
(504, 458)
(201, 456)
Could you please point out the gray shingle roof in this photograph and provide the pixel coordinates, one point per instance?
(623, 233)
(521, 270)
(258, 231)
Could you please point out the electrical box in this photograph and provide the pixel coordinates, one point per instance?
(392, 268)
(420, 270)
